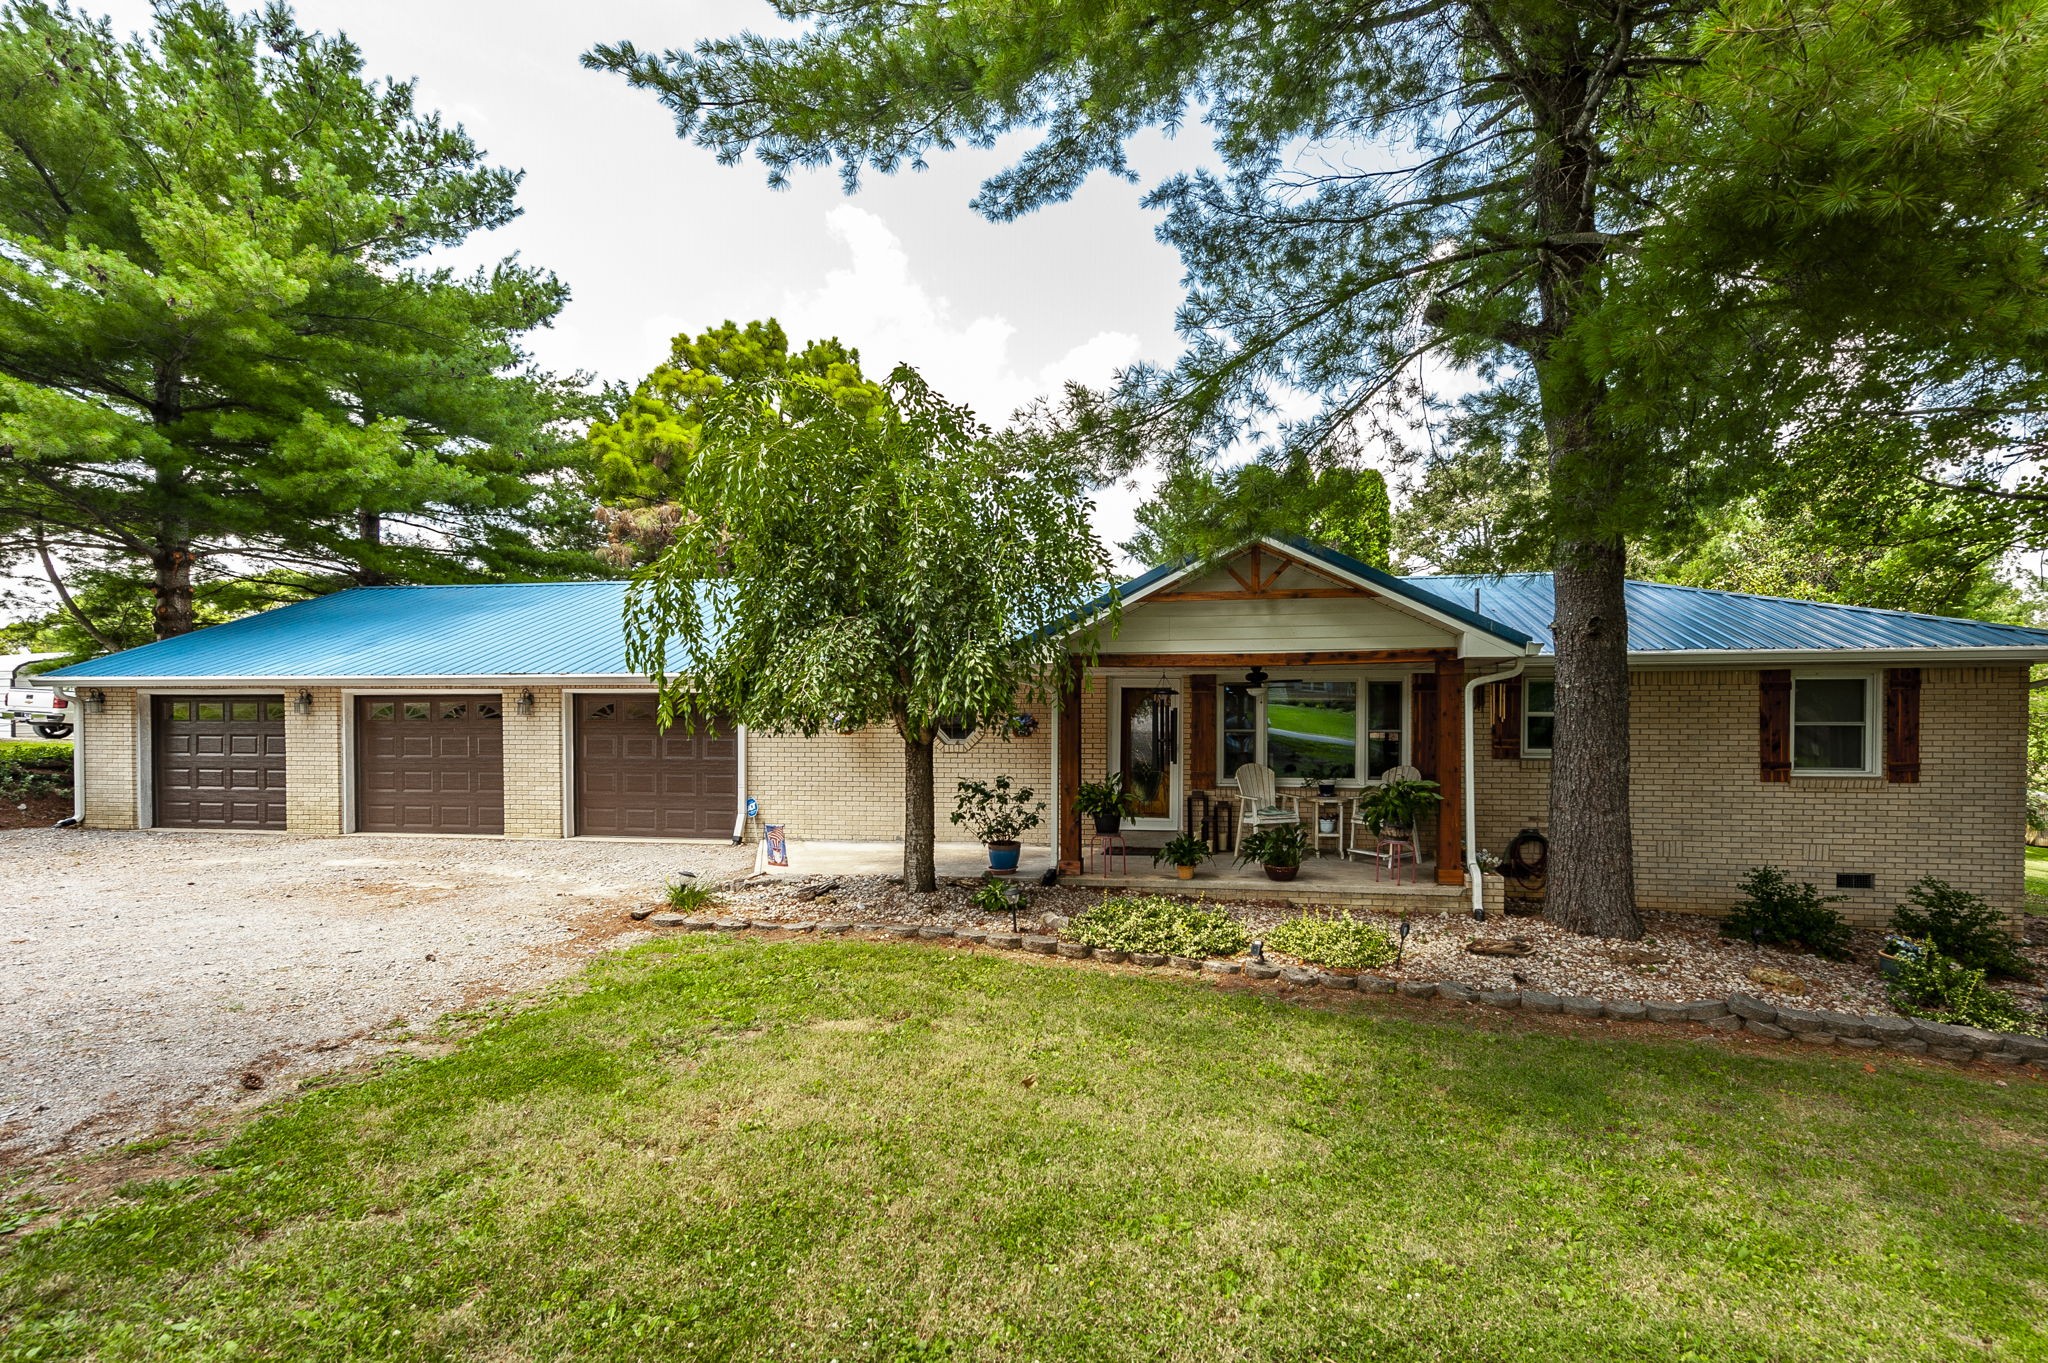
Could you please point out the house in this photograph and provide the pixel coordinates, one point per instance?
(1860, 749)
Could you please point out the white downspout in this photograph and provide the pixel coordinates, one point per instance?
(1059, 816)
(739, 815)
(1473, 877)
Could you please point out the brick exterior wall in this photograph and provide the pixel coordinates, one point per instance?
(312, 763)
(111, 765)
(849, 787)
(1702, 817)
(533, 765)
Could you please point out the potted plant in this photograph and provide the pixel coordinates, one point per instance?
(1278, 849)
(1106, 801)
(998, 816)
(1397, 804)
(1184, 852)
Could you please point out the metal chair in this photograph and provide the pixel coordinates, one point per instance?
(1258, 799)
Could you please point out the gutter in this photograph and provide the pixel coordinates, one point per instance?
(1473, 876)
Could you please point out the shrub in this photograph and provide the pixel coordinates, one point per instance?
(1344, 943)
(1931, 985)
(1777, 912)
(1281, 845)
(1154, 923)
(28, 770)
(685, 895)
(1962, 927)
(995, 812)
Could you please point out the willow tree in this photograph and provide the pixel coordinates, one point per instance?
(1467, 182)
(837, 564)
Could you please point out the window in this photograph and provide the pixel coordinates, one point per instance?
(1313, 730)
(1831, 725)
(454, 710)
(1539, 715)
(212, 710)
(383, 710)
(418, 710)
(247, 710)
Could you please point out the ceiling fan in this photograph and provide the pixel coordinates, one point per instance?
(1256, 681)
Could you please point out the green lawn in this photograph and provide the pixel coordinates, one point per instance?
(833, 1150)
(2037, 880)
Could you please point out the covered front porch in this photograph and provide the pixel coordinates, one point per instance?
(1331, 676)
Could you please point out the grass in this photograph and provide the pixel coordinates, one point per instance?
(2037, 880)
(834, 1150)
(687, 896)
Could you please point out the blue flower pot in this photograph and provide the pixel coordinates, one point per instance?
(1002, 856)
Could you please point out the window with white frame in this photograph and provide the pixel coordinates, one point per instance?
(1314, 730)
(1539, 716)
(1832, 725)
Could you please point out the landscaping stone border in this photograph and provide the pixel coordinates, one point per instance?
(1744, 1012)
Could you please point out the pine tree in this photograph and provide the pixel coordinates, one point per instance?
(213, 338)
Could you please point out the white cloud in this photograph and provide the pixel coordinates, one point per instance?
(875, 304)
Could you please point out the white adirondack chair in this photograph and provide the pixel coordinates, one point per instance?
(1258, 800)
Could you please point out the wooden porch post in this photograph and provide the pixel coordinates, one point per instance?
(1068, 822)
(1451, 776)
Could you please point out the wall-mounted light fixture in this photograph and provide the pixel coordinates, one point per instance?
(302, 704)
(526, 702)
(95, 702)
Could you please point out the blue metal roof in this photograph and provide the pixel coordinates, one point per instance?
(1666, 618)
(576, 629)
(539, 629)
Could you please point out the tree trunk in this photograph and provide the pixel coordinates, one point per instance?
(370, 530)
(171, 570)
(1592, 853)
(919, 818)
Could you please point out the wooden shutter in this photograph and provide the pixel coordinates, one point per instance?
(1201, 767)
(1507, 718)
(1774, 725)
(1902, 725)
(1422, 724)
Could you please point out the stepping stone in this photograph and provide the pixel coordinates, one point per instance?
(1626, 1010)
(1221, 967)
(1770, 977)
(667, 920)
(1108, 957)
(1375, 984)
(1262, 972)
(934, 934)
(1147, 958)
(1005, 941)
(1075, 951)
(1044, 946)
(1183, 963)
(1581, 1006)
(901, 929)
(833, 929)
(1296, 975)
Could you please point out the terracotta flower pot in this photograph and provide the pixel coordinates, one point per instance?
(1184, 872)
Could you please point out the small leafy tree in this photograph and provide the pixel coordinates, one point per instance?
(835, 566)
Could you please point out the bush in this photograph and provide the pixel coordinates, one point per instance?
(1153, 923)
(1931, 985)
(1778, 913)
(28, 770)
(1344, 943)
(1962, 927)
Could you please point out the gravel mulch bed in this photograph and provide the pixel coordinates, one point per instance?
(1681, 956)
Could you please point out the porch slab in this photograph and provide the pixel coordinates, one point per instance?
(809, 857)
(1324, 881)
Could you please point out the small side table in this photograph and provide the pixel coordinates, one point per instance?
(1317, 804)
(1103, 846)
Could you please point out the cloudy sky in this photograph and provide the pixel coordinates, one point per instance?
(655, 237)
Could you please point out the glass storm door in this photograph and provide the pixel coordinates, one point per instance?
(1147, 753)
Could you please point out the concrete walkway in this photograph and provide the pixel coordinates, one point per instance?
(953, 859)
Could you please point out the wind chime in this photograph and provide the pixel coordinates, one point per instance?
(1162, 705)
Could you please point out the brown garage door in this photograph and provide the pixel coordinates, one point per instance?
(430, 764)
(635, 781)
(219, 761)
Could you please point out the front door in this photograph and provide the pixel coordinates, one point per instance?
(1148, 752)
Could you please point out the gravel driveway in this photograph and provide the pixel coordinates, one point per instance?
(148, 973)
